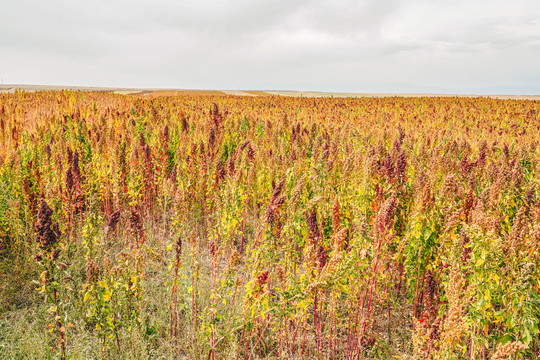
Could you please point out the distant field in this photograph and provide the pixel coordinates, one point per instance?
(195, 92)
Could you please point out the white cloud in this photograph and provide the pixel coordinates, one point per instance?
(369, 45)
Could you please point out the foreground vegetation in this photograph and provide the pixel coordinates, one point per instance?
(217, 227)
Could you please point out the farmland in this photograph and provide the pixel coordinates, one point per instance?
(248, 227)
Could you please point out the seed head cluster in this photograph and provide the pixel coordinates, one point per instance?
(47, 232)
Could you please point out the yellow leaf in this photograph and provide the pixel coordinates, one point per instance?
(479, 262)
(107, 295)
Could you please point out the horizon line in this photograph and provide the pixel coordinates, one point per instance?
(7, 88)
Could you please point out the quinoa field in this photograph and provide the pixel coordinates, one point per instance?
(268, 227)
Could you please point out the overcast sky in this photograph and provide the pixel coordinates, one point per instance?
(442, 46)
